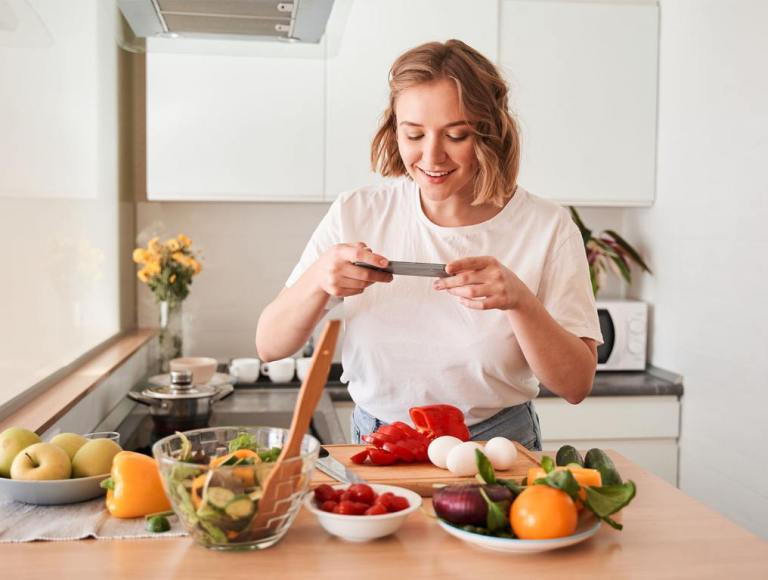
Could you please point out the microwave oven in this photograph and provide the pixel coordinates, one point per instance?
(624, 324)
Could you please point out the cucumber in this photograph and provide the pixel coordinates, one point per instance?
(568, 454)
(598, 459)
(219, 496)
(240, 507)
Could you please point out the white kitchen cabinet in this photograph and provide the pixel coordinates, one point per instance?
(232, 121)
(583, 79)
(359, 58)
(644, 429)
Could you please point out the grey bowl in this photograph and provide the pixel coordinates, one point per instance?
(52, 492)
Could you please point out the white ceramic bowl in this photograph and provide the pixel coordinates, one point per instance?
(364, 528)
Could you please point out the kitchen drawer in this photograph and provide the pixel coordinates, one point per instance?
(610, 418)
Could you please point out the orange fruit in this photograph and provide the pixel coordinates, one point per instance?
(541, 512)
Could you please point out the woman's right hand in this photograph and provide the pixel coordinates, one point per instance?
(336, 275)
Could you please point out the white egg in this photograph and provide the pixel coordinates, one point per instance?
(439, 448)
(461, 459)
(501, 452)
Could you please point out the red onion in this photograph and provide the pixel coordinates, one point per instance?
(463, 505)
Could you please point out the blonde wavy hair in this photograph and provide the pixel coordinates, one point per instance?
(483, 98)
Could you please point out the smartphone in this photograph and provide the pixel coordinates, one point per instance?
(409, 269)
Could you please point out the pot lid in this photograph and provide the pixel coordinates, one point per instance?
(181, 387)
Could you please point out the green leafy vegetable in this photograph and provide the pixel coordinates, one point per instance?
(270, 455)
(484, 467)
(512, 486)
(243, 441)
(607, 500)
(497, 514)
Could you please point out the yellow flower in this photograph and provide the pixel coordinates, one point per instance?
(180, 258)
(139, 255)
(142, 275)
(196, 265)
(154, 246)
(172, 278)
(184, 241)
(152, 267)
(173, 245)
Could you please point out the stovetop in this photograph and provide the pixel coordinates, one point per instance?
(256, 404)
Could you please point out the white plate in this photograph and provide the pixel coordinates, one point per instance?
(587, 528)
(52, 492)
(217, 380)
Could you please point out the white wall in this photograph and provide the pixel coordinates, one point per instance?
(248, 251)
(707, 240)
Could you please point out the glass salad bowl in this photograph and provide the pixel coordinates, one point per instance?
(214, 479)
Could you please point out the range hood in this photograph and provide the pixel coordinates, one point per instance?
(287, 20)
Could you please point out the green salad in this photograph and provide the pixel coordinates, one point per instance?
(218, 496)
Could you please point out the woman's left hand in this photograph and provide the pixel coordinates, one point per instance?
(482, 283)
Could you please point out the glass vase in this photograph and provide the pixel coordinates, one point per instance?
(170, 336)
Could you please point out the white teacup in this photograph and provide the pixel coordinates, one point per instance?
(279, 371)
(245, 370)
(302, 367)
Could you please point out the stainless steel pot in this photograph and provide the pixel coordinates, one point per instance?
(180, 406)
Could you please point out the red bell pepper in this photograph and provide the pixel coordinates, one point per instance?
(438, 420)
(399, 442)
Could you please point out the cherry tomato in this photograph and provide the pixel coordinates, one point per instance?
(351, 508)
(542, 512)
(324, 493)
(376, 510)
(328, 506)
(398, 503)
(362, 493)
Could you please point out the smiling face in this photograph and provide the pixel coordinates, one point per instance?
(435, 141)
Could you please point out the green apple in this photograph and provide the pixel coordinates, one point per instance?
(13, 440)
(94, 458)
(41, 461)
(69, 442)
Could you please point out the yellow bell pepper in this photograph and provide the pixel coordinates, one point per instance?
(134, 488)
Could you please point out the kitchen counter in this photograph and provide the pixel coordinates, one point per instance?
(666, 535)
(651, 382)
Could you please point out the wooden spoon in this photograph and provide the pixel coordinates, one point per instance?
(284, 480)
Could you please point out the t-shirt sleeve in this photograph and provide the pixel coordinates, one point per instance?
(566, 290)
(327, 233)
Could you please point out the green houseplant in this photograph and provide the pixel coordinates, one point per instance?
(607, 251)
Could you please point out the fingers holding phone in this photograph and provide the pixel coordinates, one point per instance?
(338, 276)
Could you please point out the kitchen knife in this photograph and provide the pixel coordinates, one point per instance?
(336, 469)
(409, 269)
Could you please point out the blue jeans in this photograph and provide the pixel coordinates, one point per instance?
(519, 423)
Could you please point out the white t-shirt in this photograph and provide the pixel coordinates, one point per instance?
(406, 344)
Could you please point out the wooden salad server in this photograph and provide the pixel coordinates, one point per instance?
(284, 480)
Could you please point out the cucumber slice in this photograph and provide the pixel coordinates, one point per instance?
(219, 496)
(240, 507)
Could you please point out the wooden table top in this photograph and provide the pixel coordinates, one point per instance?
(667, 534)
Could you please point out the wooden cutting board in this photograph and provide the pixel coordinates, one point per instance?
(418, 477)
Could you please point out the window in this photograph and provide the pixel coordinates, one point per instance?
(59, 186)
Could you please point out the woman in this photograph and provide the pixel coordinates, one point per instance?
(517, 307)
